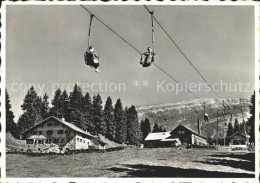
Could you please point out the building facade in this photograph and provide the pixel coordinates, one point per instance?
(188, 136)
(56, 132)
(160, 139)
(239, 140)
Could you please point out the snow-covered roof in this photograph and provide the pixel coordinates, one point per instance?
(157, 136)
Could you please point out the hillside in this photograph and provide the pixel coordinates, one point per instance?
(172, 114)
(13, 143)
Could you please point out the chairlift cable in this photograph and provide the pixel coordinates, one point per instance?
(139, 51)
(111, 29)
(183, 53)
(176, 81)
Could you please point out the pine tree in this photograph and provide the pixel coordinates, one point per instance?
(145, 128)
(31, 107)
(99, 123)
(56, 105)
(64, 101)
(160, 129)
(230, 130)
(45, 107)
(10, 124)
(24, 122)
(120, 131)
(132, 124)
(236, 126)
(251, 120)
(88, 114)
(243, 127)
(75, 107)
(142, 128)
(109, 119)
(128, 126)
(155, 128)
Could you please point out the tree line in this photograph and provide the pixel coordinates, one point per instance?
(117, 123)
(244, 127)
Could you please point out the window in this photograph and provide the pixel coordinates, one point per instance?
(40, 132)
(61, 140)
(49, 124)
(66, 131)
(56, 124)
(60, 131)
(29, 141)
(80, 140)
(34, 133)
(49, 132)
(39, 141)
(55, 140)
(239, 142)
(83, 141)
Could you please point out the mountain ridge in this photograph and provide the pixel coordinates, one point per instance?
(187, 113)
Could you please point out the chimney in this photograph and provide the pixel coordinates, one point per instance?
(63, 119)
(198, 126)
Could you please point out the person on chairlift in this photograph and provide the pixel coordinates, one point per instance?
(149, 57)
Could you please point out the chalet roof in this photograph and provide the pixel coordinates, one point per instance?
(157, 136)
(192, 131)
(70, 125)
(238, 133)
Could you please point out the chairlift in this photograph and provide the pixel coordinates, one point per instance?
(91, 57)
(148, 57)
(206, 116)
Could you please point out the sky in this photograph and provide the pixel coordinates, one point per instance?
(45, 45)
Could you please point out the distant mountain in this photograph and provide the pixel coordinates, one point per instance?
(187, 113)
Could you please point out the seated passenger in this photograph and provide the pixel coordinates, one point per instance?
(92, 58)
(149, 57)
(206, 117)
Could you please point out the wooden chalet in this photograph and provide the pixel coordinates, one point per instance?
(54, 131)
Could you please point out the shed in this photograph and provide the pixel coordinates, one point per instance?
(239, 139)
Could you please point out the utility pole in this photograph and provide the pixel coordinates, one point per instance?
(204, 107)
(224, 135)
(217, 129)
(243, 117)
(242, 110)
(224, 109)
